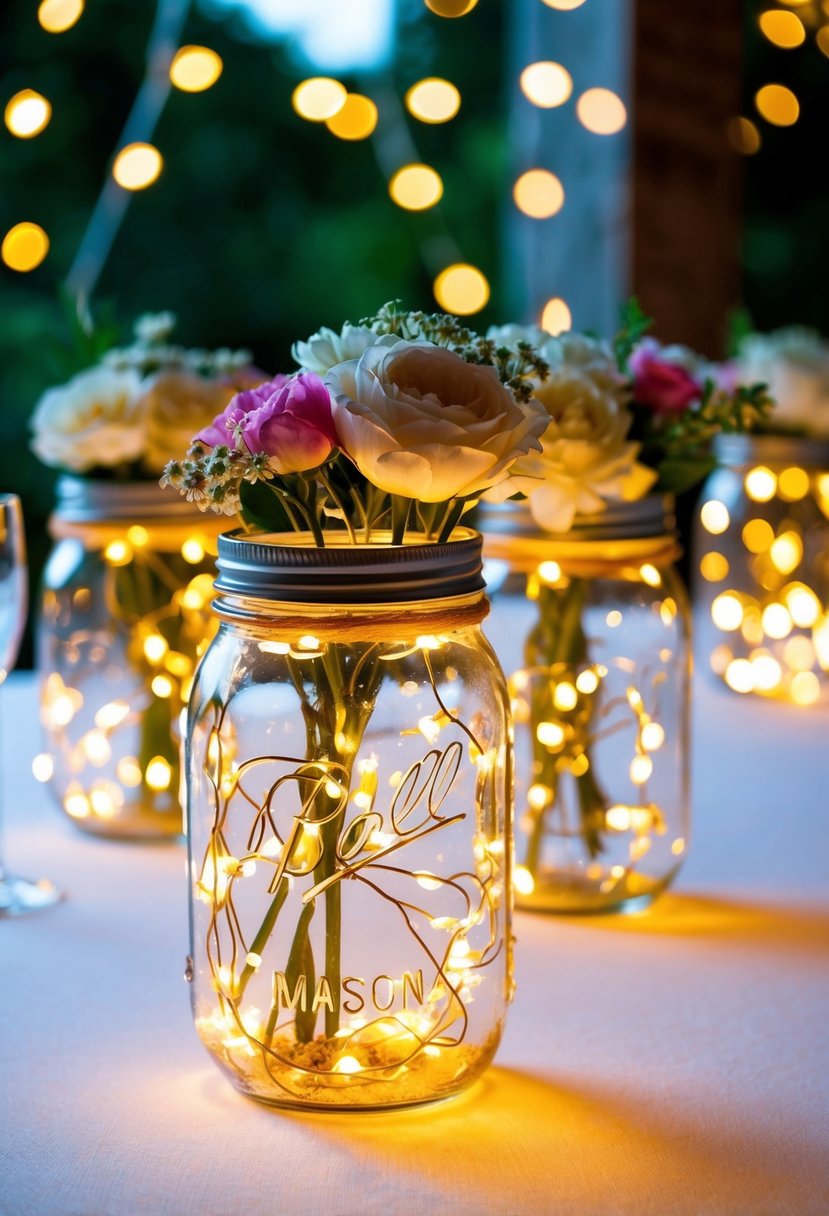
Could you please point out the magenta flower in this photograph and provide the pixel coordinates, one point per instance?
(289, 419)
(664, 386)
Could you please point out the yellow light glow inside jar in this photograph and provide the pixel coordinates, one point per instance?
(714, 516)
(760, 484)
(803, 605)
(727, 612)
(787, 552)
(777, 623)
(805, 688)
(159, 774)
(714, 567)
(758, 535)
(739, 676)
(524, 881)
(793, 484)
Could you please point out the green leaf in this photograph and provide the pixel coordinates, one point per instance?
(262, 508)
(678, 474)
(634, 325)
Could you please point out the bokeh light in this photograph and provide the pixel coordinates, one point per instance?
(450, 8)
(564, 6)
(778, 105)
(546, 84)
(27, 113)
(601, 111)
(57, 16)
(461, 289)
(433, 100)
(318, 98)
(785, 30)
(137, 166)
(416, 187)
(743, 135)
(195, 68)
(356, 119)
(822, 39)
(24, 246)
(556, 317)
(538, 193)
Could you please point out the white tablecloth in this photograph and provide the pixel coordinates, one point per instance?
(672, 1063)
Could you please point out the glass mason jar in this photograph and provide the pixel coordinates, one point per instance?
(592, 628)
(762, 561)
(348, 814)
(125, 614)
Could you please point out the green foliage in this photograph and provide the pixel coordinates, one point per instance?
(634, 324)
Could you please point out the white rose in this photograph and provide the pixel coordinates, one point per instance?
(511, 335)
(325, 349)
(93, 421)
(794, 363)
(176, 406)
(585, 459)
(420, 421)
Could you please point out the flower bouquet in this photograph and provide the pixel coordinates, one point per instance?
(349, 761)
(127, 587)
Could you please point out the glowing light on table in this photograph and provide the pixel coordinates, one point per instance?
(743, 135)
(137, 166)
(777, 104)
(556, 317)
(433, 100)
(785, 30)
(539, 194)
(318, 98)
(24, 247)
(195, 68)
(57, 16)
(416, 187)
(546, 84)
(601, 111)
(27, 114)
(461, 289)
(356, 119)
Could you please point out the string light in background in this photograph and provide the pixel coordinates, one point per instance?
(546, 84)
(195, 68)
(822, 39)
(24, 246)
(433, 100)
(450, 8)
(27, 114)
(58, 16)
(601, 111)
(319, 98)
(356, 119)
(564, 6)
(783, 29)
(416, 187)
(461, 289)
(539, 194)
(556, 317)
(137, 166)
(777, 104)
(743, 135)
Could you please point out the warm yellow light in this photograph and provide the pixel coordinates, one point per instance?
(641, 768)
(27, 113)
(57, 16)
(556, 317)
(714, 516)
(601, 111)
(546, 84)
(137, 166)
(128, 771)
(461, 289)
(580, 765)
(524, 881)
(785, 30)
(549, 734)
(777, 623)
(727, 611)
(118, 553)
(24, 247)
(714, 567)
(777, 104)
(739, 675)
(433, 100)
(539, 194)
(650, 575)
(538, 796)
(805, 688)
(155, 648)
(318, 98)
(678, 846)
(587, 681)
(743, 135)
(137, 536)
(192, 550)
(793, 484)
(613, 619)
(450, 8)
(159, 774)
(721, 656)
(549, 572)
(787, 552)
(653, 736)
(760, 484)
(76, 804)
(111, 715)
(565, 696)
(758, 535)
(564, 6)
(416, 187)
(95, 746)
(799, 654)
(767, 671)
(195, 68)
(162, 686)
(356, 118)
(43, 766)
(803, 605)
(822, 39)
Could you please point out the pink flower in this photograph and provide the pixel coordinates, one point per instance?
(289, 419)
(666, 386)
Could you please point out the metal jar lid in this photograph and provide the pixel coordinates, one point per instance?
(83, 500)
(287, 567)
(739, 450)
(647, 517)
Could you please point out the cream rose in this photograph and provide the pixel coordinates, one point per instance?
(326, 348)
(420, 421)
(585, 459)
(93, 421)
(177, 405)
(794, 363)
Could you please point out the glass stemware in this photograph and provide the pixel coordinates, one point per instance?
(17, 895)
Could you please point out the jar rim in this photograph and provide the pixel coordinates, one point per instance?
(288, 567)
(651, 516)
(95, 500)
(771, 449)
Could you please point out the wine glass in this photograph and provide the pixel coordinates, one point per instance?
(17, 895)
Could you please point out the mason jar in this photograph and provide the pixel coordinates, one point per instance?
(592, 628)
(348, 815)
(124, 616)
(762, 567)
